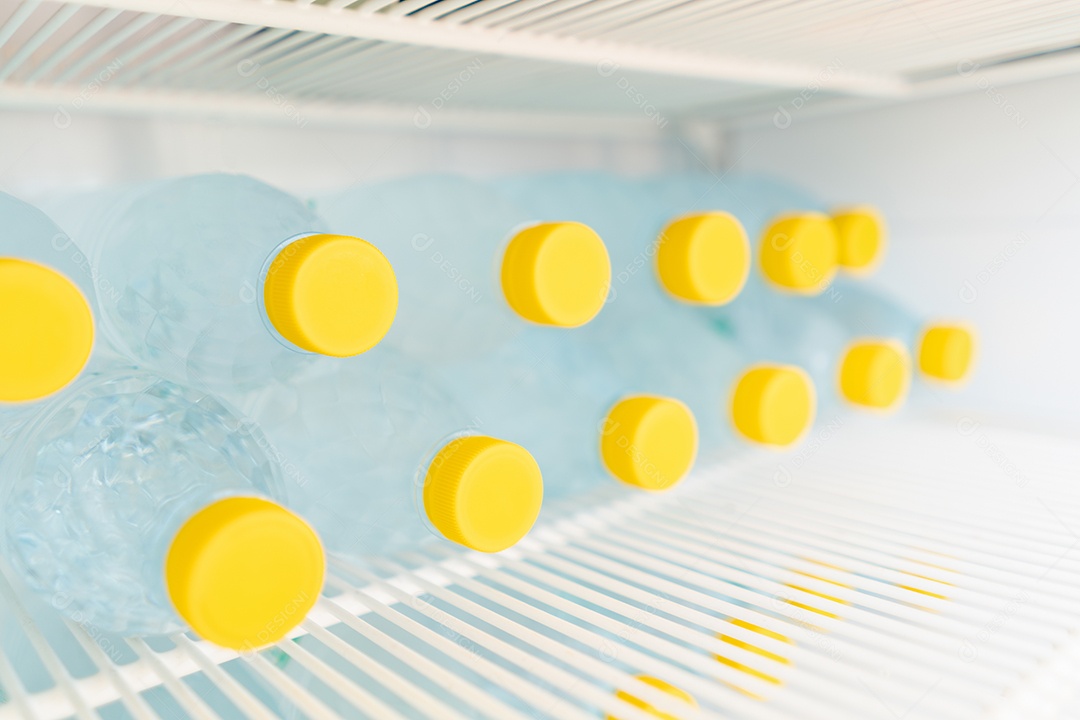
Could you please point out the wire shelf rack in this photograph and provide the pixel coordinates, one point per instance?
(899, 568)
(643, 62)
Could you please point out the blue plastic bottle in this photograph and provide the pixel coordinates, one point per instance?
(644, 336)
(781, 316)
(138, 506)
(46, 323)
(810, 323)
(942, 351)
(474, 268)
(226, 282)
(382, 460)
(582, 421)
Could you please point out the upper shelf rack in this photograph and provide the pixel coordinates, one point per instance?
(631, 62)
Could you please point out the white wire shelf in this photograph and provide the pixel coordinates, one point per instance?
(886, 569)
(649, 62)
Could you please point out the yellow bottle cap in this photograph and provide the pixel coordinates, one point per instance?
(331, 294)
(244, 571)
(947, 352)
(556, 274)
(704, 258)
(483, 493)
(799, 253)
(773, 404)
(649, 442)
(860, 234)
(46, 330)
(659, 684)
(875, 373)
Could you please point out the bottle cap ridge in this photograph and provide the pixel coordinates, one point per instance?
(649, 442)
(557, 274)
(243, 571)
(799, 253)
(483, 493)
(703, 258)
(773, 404)
(46, 330)
(331, 294)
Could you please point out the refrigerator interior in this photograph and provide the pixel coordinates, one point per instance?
(921, 565)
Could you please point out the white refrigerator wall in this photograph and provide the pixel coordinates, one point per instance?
(41, 151)
(982, 196)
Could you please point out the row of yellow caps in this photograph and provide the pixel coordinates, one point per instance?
(559, 274)
(337, 295)
(705, 258)
(647, 441)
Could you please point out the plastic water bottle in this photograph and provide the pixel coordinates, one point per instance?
(584, 417)
(848, 370)
(645, 335)
(944, 351)
(227, 282)
(475, 269)
(848, 310)
(582, 422)
(138, 506)
(792, 243)
(46, 323)
(635, 338)
(382, 461)
(783, 316)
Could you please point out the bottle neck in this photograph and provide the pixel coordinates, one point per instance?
(282, 251)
